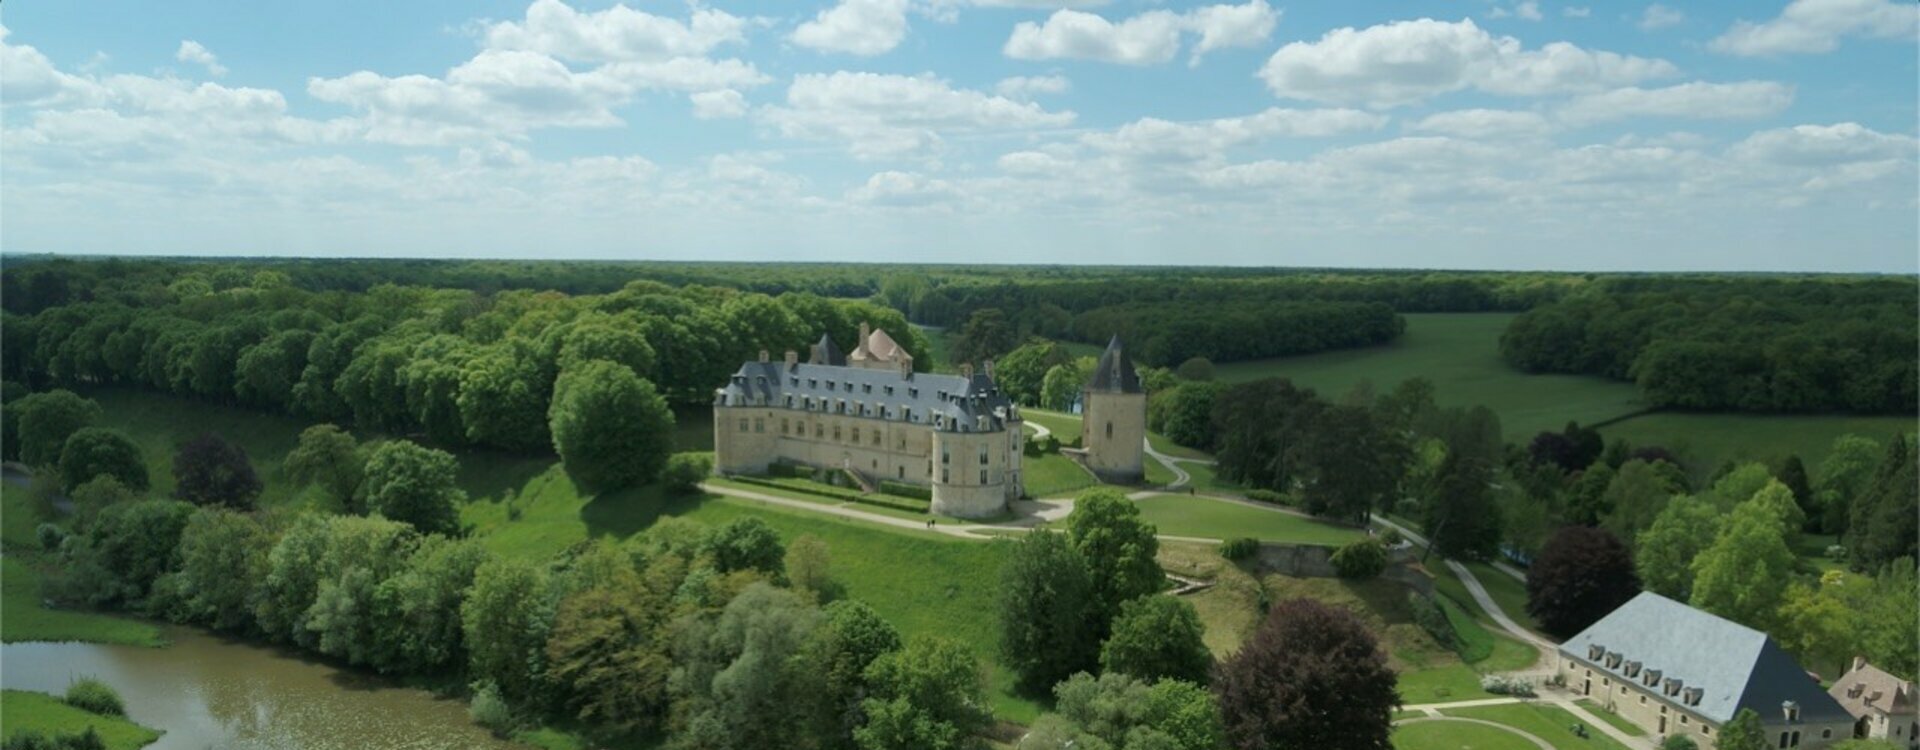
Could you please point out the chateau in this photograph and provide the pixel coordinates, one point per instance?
(869, 414)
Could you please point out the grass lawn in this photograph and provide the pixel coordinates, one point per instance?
(1460, 353)
(18, 518)
(1053, 475)
(1157, 474)
(22, 618)
(1508, 592)
(1547, 722)
(22, 710)
(1065, 427)
(159, 423)
(1612, 718)
(1207, 478)
(1705, 441)
(1488, 651)
(1189, 515)
(1440, 734)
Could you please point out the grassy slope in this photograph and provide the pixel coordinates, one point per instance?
(22, 618)
(1054, 475)
(1546, 722)
(1459, 352)
(1705, 441)
(21, 710)
(1453, 735)
(1184, 515)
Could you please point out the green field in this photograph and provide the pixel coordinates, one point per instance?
(1546, 722)
(1705, 441)
(21, 710)
(1199, 516)
(1054, 475)
(1439, 734)
(1611, 718)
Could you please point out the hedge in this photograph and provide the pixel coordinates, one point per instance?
(851, 496)
(902, 489)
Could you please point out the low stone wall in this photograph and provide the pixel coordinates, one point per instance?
(1315, 561)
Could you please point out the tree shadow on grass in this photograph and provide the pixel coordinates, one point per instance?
(623, 513)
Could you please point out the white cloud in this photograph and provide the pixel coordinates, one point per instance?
(1576, 11)
(615, 34)
(718, 105)
(1816, 26)
(858, 27)
(1493, 124)
(1027, 87)
(1825, 145)
(891, 115)
(1407, 61)
(1529, 10)
(1032, 163)
(1153, 137)
(193, 52)
(892, 188)
(1697, 100)
(1658, 16)
(1149, 38)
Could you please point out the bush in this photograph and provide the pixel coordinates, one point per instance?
(1504, 685)
(490, 710)
(49, 536)
(32, 739)
(90, 694)
(903, 489)
(684, 471)
(1364, 558)
(1239, 549)
(1836, 552)
(851, 496)
(1392, 537)
(1268, 496)
(1428, 615)
(1678, 742)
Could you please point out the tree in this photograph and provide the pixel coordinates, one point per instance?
(1739, 484)
(1586, 498)
(1021, 372)
(222, 555)
(987, 334)
(1843, 475)
(1743, 576)
(412, 484)
(1634, 499)
(1793, 474)
(1883, 525)
(608, 342)
(1818, 622)
(210, 471)
(1778, 499)
(504, 395)
(505, 621)
(685, 471)
(1157, 637)
(1744, 732)
(421, 606)
(847, 642)
(98, 452)
(116, 560)
(1581, 575)
(1117, 548)
(1350, 463)
(96, 495)
(747, 543)
(808, 565)
(610, 427)
(328, 456)
(736, 675)
(1061, 386)
(359, 555)
(1125, 713)
(1665, 552)
(1310, 676)
(930, 695)
(1361, 558)
(46, 420)
(1184, 413)
(1461, 517)
(1046, 631)
(606, 656)
(1197, 369)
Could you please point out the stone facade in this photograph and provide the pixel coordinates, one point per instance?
(1884, 707)
(957, 436)
(1113, 419)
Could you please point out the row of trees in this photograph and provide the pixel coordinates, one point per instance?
(1735, 344)
(1168, 334)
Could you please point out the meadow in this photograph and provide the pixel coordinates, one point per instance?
(22, 710)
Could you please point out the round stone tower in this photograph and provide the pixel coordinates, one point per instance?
(1113, 423)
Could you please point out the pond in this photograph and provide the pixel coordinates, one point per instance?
(206, 692)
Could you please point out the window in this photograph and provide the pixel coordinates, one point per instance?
(819, 430)
(759, 424)
(983, 476)
(876, 437)
(946, 457)
(943, 476)
(1783, 739)
(829, 385)
(983, 455)
(913, 393)
(743, 424)
(1826, 734)
(901, 472)
(784, 427)
(855, 437)
(866, 387)
(836, 432)
(1109, 430)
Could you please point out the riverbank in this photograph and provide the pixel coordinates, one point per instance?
(28, 711)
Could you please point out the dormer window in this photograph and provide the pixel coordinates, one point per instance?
(1633, 669)
(1690, 696)
(829, 385)
(813, 383)
(913, 393)
(1595, 651)
(1671, 686)
(866, 387)
(1651, 678)
(889, 390)
(1613, 660)
(1791, 710)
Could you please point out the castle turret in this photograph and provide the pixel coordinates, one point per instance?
(1114, 418)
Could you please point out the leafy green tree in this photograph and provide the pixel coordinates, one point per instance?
(420, 606)
(506, 618)
(737, 675)
(1197, 369)
(930, 695)
(328, 456)
(1743, 576)
(611, 429)
(1061, 386)
(1184, 413)
(1634, 499)
(1461, 518)
(685, 471)
(268, 370)
(359, 555)
(747, 543)
(1047, 628)
(1587, 496)
(210, 471)
(606, 654)
(1778, 498)
(1843, 475)
(1352, 465)
(607, 341)
(46, 420)
(847, 642)
(809, 565)
(430, 381)
(1361, 558)
(1581, 575)
(1743, 733)
(1885, 634)
(1310, 676)
(1665, 553)
(96, 495)
(1022, 371)
(222, 555)
(504, 396)
(116, 560)
(1793, 474)
(99, 452)
(1158, 637)
(1126, 713)
(291, 580)
(1883, 525)
(1739, 484)
(987, 334)
(1117, 548)
(1818, 622)
(414, 485)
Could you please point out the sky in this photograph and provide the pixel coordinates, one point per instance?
(1499, 134)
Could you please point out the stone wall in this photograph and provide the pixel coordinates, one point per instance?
(1315, 561)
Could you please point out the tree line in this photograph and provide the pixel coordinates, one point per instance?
(1767, 345)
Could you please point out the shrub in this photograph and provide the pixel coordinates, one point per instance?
(684, 471)
(490, 710)
(1364, 558)
(49, 536)
(90, 694)
(1428, 615)
(1239, 549)
(1267, 496)
(903, 489)
(1678, 742)
(32, 739)
(1392, 538)
(1505, 685)
(1836, 552)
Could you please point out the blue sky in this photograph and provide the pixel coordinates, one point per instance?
(1484, 134)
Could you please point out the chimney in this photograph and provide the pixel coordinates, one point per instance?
(793, 359)
(988, 366)
(763, 355)
(861, 348)
(906, 368)
(1858, 662)
(966, 371)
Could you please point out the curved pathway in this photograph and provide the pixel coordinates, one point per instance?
(1528, 736)
(1180, 476)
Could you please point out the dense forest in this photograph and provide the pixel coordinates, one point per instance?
(1734, 343)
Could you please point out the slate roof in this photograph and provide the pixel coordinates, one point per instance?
(1733, 665)
(1115, 372)
(874, 394)
(825, 352)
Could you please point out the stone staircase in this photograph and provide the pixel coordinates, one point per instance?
(860, 480)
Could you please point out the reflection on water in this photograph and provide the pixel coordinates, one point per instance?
(210, 693)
